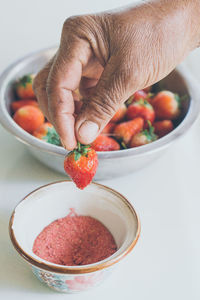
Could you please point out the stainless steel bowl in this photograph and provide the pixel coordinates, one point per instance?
(111, 164)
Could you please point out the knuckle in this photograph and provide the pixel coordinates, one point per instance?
(80, 27)
(71, 23)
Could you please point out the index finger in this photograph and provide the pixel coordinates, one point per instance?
(64, 78)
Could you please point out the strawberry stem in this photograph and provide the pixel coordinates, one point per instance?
(52, 137)
(149, 133)
(181, 99)
(150, 95)
(79, 147)
(25, 79)
(123, 145)
(81, 150)
(130, 100)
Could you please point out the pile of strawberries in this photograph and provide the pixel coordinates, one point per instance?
(27, 114)
(143, 118)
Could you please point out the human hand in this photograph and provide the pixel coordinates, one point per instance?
(108, 57)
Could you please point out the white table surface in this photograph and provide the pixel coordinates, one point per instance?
(165, 263)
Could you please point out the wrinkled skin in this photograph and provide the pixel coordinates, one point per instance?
(109, 56)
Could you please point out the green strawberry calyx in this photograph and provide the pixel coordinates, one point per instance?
(150, 95)
(130, 100)
(52, 137)
(122, 144)
(144, 102)
(180, 99)
(81, 150)
(149, 133)
(25, 79)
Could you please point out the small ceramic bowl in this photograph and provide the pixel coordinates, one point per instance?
(55, 200)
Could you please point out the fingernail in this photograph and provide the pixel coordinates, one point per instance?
(68, 148)
(62, 142)
(88, 131)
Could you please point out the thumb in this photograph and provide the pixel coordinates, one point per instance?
(110, 92)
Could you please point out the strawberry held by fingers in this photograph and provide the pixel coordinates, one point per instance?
(81, 165)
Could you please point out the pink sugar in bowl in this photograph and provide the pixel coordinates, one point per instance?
(57, 200)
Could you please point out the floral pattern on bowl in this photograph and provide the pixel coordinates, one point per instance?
(70, 283)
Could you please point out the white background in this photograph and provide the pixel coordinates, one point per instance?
(165, 263)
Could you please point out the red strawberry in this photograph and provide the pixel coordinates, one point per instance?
(24, 87)
(109, 128)
(137, 96)
(124, 131)
(29, 118)
(163, 127)
(166, 105)
(119, 115)
(105, 143)
(142, 138)
(42, 131)
(81, 165)
(15, 105)
(47, 133)
(143, 109)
